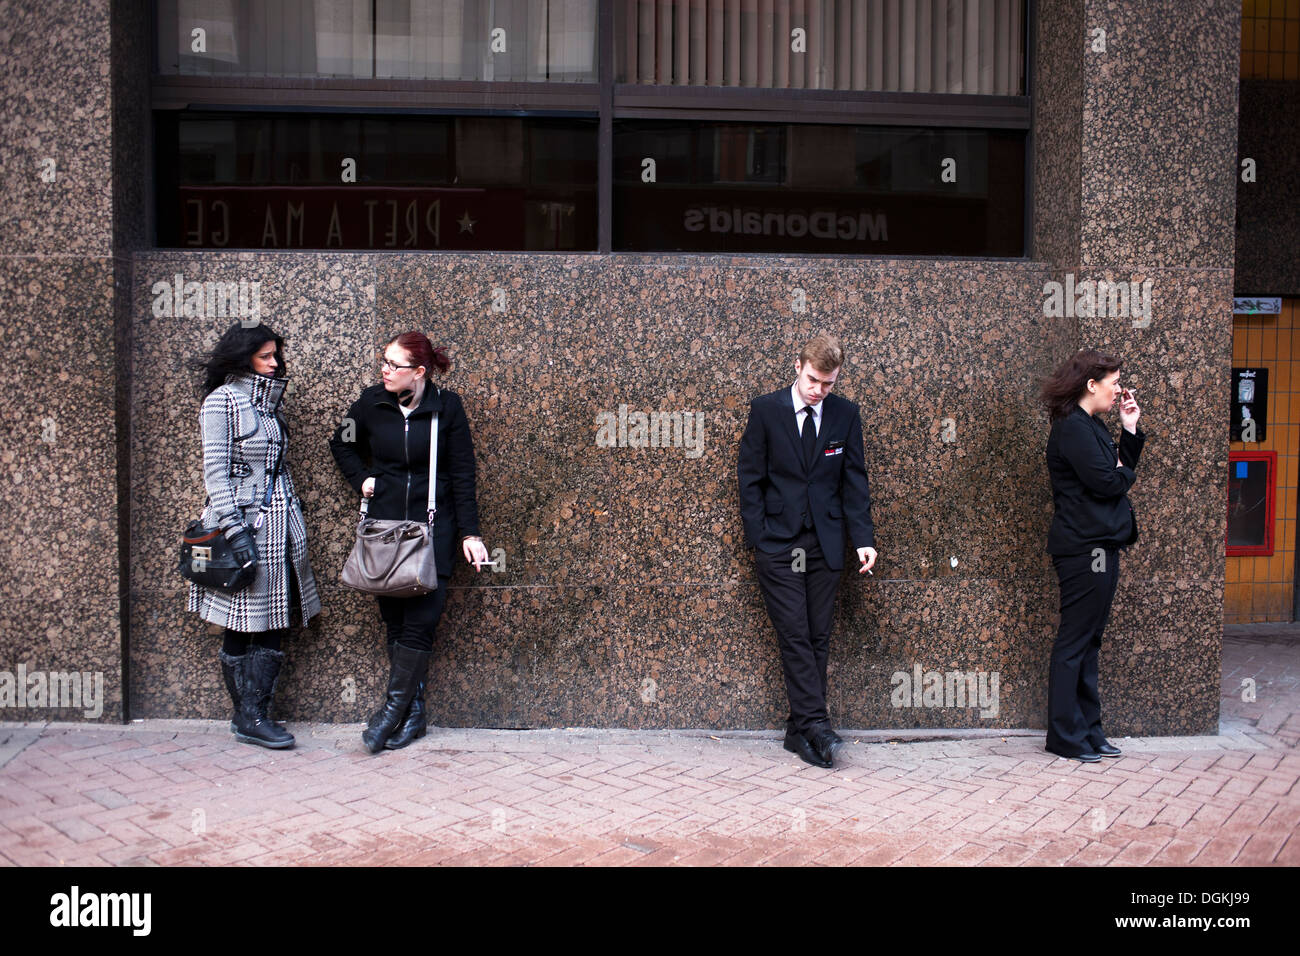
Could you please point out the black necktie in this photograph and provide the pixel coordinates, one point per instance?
(809, 435)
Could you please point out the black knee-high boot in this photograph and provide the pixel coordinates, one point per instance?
(408, 665)
(416, 722)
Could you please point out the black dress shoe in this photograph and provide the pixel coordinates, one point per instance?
(797, 743)
(1109, 750)
(823, 744)
(1086, 757)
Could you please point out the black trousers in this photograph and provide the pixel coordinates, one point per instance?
(1073, 704)
(801, 604)
(413, 621)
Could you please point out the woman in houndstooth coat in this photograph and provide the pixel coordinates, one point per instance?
(244, 436)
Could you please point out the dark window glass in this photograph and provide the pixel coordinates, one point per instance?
(460, 183)
(848, 190)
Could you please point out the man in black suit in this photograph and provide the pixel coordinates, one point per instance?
(803, 477)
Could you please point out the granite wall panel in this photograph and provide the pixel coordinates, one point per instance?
(626, 596)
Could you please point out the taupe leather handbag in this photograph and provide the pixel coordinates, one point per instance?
(395, 558)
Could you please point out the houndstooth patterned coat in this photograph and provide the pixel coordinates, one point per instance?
(242, 433)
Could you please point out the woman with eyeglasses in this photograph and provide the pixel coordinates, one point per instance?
(382, 447)
(1091, 476)
(245, 442)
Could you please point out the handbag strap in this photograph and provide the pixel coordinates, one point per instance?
(270, 485)
(433, 468)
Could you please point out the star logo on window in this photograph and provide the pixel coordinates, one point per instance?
(466, 224)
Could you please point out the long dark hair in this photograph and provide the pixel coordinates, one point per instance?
(234, 353)
(1062, 390)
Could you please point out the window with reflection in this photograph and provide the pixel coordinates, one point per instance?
(365, 182)
(825, 189)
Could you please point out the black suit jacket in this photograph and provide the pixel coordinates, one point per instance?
(776, 486)
(1090, 491)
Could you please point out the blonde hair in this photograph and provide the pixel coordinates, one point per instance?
(824, 352)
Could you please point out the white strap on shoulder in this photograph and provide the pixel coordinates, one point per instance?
(433, 467)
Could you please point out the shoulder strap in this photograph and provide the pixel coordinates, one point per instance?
(433, 467)
(270, 485)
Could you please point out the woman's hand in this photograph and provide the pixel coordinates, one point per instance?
(368, 488)
(1129, 412)
(475, 552)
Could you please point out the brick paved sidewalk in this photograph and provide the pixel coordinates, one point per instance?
(169, 792)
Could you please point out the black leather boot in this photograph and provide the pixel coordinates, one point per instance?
(416, 722)
(408, 666)
(255, 681)
(229, 665)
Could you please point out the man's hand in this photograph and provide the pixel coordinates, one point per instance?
(867, 557)
(368, 488)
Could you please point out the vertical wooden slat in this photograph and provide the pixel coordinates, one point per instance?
(798, 61)
(956, 46)
(907, 48)
(860, 41)
(749, 43)
(1002, 40)
(924, 29)
(766, 68)
(939, 48)
(715, 42)
(843, 44)
(631, 34)
(876, 77)
(781, 46)
(732, 43)
(699, 44)
(970, 52)
(664, 43)
(682, 43)
(891, 33)
(1015, 87)
(987, 45)
(646, 42)
(816, 46)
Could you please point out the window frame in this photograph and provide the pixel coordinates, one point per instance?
(607, 101)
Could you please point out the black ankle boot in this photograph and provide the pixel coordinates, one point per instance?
(255, 681)
(408, 667)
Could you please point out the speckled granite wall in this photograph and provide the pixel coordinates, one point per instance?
(626, 598)
(59, 542)
(1157, 128)
(1268, 210)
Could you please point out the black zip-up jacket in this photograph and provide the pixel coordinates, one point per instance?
(394, 450)
(1089, 489)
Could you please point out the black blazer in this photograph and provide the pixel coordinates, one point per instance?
(382, 446)
(775, 484)
(1089, 490)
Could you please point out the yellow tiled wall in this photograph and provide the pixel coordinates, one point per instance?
(1263, 588)
(1270, 40)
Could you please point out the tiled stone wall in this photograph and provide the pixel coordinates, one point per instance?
(627, 598)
